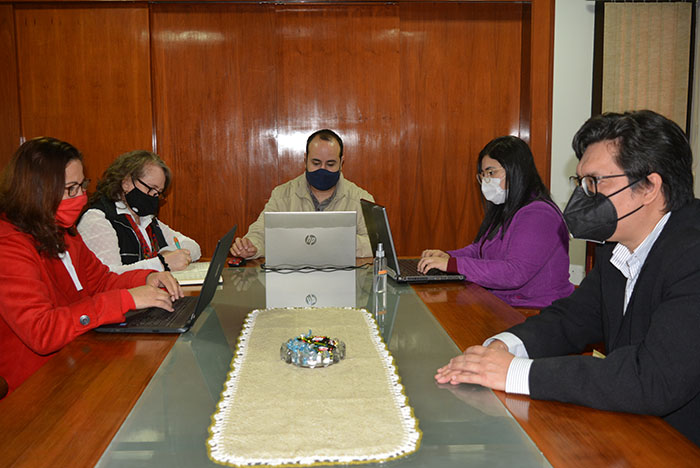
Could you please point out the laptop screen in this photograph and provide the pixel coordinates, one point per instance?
(378, 230)
(310, 238)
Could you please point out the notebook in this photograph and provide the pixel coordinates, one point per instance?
(187, 309)
(404, 270)
(194, 274)
(299, 239)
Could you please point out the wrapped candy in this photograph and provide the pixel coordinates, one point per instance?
(312, 351)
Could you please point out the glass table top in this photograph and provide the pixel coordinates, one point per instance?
(462, 425)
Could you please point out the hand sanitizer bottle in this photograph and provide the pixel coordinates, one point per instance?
(379, 270)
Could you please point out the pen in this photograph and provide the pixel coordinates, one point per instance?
(177, 243)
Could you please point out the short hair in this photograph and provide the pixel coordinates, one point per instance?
(32, 188)
(523, 183)
(131, 164)
(325, 135)
(646, 142)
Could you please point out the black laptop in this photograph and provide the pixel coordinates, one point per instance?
(187, 309)
(404, 270)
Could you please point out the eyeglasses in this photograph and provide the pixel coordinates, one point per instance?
(589, 184)
(152, 191)
(488, 174)
(72, 189)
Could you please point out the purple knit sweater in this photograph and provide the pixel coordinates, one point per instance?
(530, 266)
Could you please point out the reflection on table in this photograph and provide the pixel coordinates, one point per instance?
(461, 426)
(95, 401)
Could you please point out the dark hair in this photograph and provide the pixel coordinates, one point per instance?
(325, 135)
(32, 188)
(646, 142)
(128, 164)
(523, 183)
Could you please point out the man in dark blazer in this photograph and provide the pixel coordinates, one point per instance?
(642, 298)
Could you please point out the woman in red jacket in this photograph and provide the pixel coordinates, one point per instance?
(52, 287)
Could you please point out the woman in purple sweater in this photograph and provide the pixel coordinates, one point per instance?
(521, 252)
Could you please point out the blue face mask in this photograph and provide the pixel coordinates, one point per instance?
(322, 179)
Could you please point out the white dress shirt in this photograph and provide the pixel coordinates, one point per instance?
(100, 237)
(629, 263)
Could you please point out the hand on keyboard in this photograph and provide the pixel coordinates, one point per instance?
(433, 262)
(164, 279)
(150, 296)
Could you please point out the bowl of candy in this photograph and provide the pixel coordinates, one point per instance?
(312, 351)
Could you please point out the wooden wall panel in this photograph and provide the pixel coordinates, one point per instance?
(85, 78)
(460, 69)
(9, 107)
(238, 88)
(540, 53)
(340, 69)
(228, 92)
(215, 80)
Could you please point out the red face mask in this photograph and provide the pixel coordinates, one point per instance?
(69, 210)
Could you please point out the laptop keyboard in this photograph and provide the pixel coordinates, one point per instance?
(409, 267)
(157, 317)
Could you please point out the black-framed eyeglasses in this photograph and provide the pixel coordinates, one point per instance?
(152, 191)
(488, 174)
(589, 183)
(72, 189)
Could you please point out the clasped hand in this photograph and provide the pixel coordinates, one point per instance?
(485, 366)
(243, 247)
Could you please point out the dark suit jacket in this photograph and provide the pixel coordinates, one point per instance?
(653, 351)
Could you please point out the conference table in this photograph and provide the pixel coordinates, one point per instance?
(133, 400)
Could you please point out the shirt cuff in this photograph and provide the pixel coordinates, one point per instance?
(127, 301)
(153, 263)
(518, 377)
(452, 265)
(515, 345)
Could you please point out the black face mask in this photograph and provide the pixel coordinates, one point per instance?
(593, 218)
(142, 204)
(322, 179)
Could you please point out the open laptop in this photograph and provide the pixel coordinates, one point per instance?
(300, 239)
(187, 309)
(404, 270)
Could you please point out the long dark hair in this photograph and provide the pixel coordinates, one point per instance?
(33, 186)
(129, 164)
(523, 183)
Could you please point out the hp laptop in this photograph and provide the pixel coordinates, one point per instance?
(406, 269)
(310, 239)
(187, 309)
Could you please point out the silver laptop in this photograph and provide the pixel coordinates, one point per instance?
(310, 239)
(404, 270)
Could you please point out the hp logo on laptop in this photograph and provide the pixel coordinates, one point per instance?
(310, 239)
(311, 299)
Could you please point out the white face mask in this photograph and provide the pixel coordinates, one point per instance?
(493, 192)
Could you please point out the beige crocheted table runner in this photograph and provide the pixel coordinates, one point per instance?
(274, 413)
